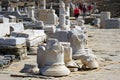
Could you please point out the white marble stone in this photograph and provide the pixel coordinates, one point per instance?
(12, 41)
(4, 20)
(42, 4)
(48, 16)
(68, 56)
(62, 20)
(32, 36)
(54, 60)
(62, 7)
(50, 31)
(4, 29)
(78, 41)
(41, 52)
(17, 27)
(62, 35)
(89, 60)
(103, 16)
(31, 12)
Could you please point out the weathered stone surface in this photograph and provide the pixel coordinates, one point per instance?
(103, 16)
(54, 60)
(112, 23)
(68, 57)
(62, 35)
(78, 41)
(17, 27)
(4, 29)
(12, 41)
(48, 16)
(30, 68)
(89, 60)
(41, 56)
(32, 36)
(14, 46)
(50, 31)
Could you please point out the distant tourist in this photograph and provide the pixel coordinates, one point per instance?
(76, 12)
(80, 7)
(89, 9)
(84, 10)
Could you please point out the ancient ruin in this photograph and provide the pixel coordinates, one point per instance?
(44, 39)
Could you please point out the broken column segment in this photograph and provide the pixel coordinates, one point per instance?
(89, 60)
(62, 15)
(54, 60)
(78, 41)
(68, 57)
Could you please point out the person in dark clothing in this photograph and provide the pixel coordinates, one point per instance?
(84, 10)
(89, 9)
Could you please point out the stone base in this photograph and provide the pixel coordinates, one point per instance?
(77, 54)
(58, 70)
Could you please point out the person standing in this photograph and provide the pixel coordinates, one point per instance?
(84, 11)
(90, 9)
(76, 12)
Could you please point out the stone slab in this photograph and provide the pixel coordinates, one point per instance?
(12, 41)
(112, 23)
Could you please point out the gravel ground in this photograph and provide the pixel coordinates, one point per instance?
(105, 44)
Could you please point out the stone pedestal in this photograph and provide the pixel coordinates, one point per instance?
(54, 60)
(104, 15)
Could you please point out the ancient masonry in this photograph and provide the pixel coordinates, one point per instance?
(56, 41)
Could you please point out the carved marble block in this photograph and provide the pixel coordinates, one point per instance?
(54, 60)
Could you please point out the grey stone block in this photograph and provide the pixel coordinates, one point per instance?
(112, 23)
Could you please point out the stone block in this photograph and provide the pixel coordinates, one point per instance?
(32, 36)
(12, 41)
(4, 29)
(13, 46)
(4, 20)
(62, 35)
(50, 30)
(48, 16)
(112, 23)
(17, 27)
(103, 16)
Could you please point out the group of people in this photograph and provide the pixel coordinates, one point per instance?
(82, 9)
